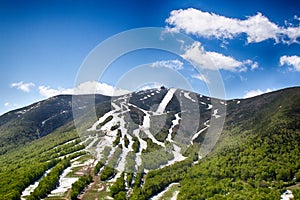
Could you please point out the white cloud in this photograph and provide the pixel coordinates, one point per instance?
(257, 28)
(25, 87)
(201, 77)
(254, 65)
(101, 88)
(253, 93)
(172, 64)
(90, 87)
(149, 86)
(46, 91)
(213, 60)
(291, 61)
(6, 104)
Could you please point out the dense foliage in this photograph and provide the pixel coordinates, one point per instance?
(21, 167)
(49, 182)
(117, 190)
(256, 160)
(79, 185)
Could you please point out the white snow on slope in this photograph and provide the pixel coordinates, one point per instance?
(187, 95)
(209, 107)
(174, 123)
(62, 112)
(177, 156)
(122, 160)
(143, 145)
(65, 182)
(163, 104)
(197, 134)
(287, 195)
(160, 195)
(215, 114)
(101, 119)
(32, 187)
(175, 194)
(146, 121)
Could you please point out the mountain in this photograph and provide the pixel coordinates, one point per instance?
(157, 143)
(39, 119)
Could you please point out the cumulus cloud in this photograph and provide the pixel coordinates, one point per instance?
(46, 91)
(6, 104)
(257, 28)
(293, 61)
(172, 64)
(25, 87)
(213, 60)
(253, 93)
(90, 87)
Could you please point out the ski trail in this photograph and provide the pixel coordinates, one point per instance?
(32, 187)
(197, 134)
(187, 95)
(167, 98)
(162, 193)
(174, 123)
(101, 119)
(177, 156)
(122, 160)
(175, 194)
(146, 126)
(143, 145)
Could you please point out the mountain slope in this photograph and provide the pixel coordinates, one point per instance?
(39, 119)
(154, 136)
(259, 151)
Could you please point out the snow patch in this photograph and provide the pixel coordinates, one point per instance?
(167, 98)
(287, 195)
(161, 194)
(177, 156)
(187, 95)
(101, 119)
(197, 134)
(209, 107)
(32, 187)
(215, 114)
(174, 123)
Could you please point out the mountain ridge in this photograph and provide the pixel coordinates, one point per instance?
(154, 137)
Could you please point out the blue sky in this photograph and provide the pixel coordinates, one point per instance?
(253, 44)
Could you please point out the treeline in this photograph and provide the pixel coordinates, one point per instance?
(117, 140)
(109, 118)
(155, 156)
(261, 168)
(109, 171)
(157, 180)
(136, 144)
(50, 181)
(102, 161)
(79, 186)
(12, 184)
(21, 167)
(117, 190)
